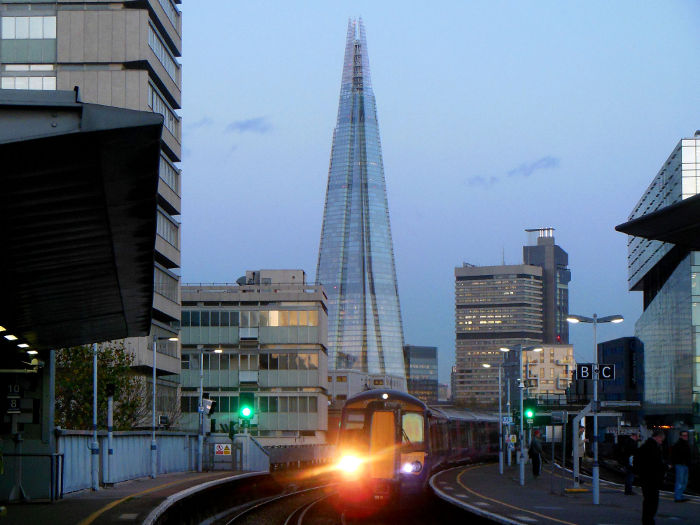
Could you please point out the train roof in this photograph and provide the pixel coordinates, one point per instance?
(465, 415)
(362, 399)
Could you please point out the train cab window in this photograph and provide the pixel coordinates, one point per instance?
(412, 428)
(354, 434)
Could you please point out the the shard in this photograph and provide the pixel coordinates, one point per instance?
(356, 255)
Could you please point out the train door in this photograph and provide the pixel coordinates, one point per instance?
(382, 444)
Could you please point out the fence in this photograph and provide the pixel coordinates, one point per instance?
(131, 459)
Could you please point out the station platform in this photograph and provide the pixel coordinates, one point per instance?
(501, 498)
(128, 502)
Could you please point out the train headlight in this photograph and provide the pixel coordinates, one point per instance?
(349, 464)
(412, 467)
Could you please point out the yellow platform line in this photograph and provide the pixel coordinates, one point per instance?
(92, 517)
(459, 480)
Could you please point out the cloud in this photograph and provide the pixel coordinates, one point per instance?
(201, 123)
(525, 170)
(252, 125)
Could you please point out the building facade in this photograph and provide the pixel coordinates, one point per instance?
(667, 274)
(122, 54)
(556, 275)
(422, 370)
(356, 255)
(546, 374)
(495, 306)
(264, 338)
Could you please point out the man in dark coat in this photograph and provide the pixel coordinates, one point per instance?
(535, 453)
(629, 449)
(680, 457)
(651, 469)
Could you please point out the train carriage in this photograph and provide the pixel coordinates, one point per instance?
(390, 443)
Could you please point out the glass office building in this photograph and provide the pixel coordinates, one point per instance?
(422, 368)
(356, 256)
(668, 275)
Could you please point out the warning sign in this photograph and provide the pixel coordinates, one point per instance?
(221, 449)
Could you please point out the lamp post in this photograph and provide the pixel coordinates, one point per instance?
(154, 446)
(500, 418)
(200, 406)
(520, 350)
(595, 321)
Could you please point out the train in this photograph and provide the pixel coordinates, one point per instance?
(390, 443)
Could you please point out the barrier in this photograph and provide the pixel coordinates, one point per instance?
(130, 458)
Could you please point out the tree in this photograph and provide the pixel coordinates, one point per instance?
(74, 377)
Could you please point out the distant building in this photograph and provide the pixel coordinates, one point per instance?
(443, 392)
(453, 381)
(627, 354)
(666, 273)
(271, 330)
(555, 284)
(495, 306)
(356, 253)
(547, 374)
(422, 371)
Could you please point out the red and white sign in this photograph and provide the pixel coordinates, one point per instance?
(221, 449)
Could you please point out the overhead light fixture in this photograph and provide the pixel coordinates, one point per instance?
(2, 328)
(173, 339)
(218, 351)
(23, 345)
(486, 365)
(32, 352)
(11, 337)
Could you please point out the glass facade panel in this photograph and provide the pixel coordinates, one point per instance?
(356, 256)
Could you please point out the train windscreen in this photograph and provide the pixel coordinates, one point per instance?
(412, 428)
(354, 435)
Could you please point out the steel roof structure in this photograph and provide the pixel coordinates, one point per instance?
(78, 219)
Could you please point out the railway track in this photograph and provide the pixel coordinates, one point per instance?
(301, 507)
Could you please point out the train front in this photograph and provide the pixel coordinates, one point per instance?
(382, 448)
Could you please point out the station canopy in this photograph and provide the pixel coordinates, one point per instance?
(678, 224)
(78, 219)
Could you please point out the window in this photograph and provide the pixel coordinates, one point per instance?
(272, 402)
(166, 285)
(34, 83)
(162, 53)
(264, 361)
(412, 427)
(158, 104)
(28, 27)
(341, 379)
(185, 362)
(313, 405)
(166, 227)
(169, 174)
(170, 11)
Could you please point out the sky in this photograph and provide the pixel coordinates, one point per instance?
(494, 117)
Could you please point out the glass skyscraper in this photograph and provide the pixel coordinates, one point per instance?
(356, 255)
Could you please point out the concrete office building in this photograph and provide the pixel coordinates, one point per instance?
(495, 306)
(663, 264)
(556, 275)
(422, 371)
(121, 54)
(271, 331)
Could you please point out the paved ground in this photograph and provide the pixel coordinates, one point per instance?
(128, 502)
(543, 500)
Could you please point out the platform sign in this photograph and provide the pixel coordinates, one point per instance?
(513, 438)
(507, 420)
(606, 372)
(222, 449)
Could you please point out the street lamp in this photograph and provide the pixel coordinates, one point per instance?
(500, 418)
(520, 350)
(595, 321)
(154, 446)
(200, 406)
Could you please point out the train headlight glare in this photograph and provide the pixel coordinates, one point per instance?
(349, 463)
(412, 467)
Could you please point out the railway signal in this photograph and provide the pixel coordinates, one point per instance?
(246, 408)
(529, 409)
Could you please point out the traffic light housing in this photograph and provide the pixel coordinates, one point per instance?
(246, 406)
(529, 409)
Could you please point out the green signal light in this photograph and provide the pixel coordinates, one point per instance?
(529, 413)
(246, 412)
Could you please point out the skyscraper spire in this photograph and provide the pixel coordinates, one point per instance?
(356, 255)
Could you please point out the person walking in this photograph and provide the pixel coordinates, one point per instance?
(581, 445)
(651, 468)
(628, 451)
(535, 453)
(680, 457)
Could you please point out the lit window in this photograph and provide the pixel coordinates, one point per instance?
(28, 27)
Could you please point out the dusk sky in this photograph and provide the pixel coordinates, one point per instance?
(494, 117)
